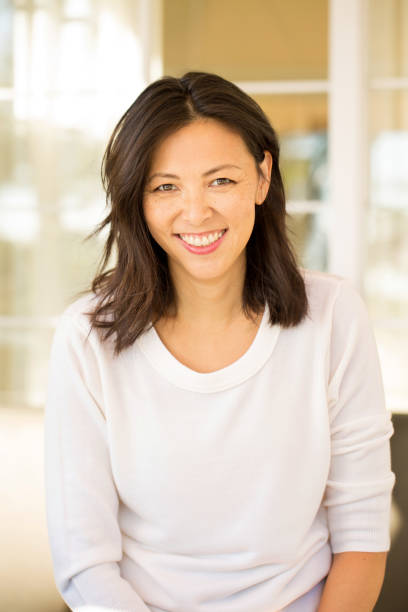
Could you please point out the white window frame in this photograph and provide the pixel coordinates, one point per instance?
(346, 87)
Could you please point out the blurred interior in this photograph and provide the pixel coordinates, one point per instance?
(68, 71)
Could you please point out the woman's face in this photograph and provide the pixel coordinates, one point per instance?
(201, 197)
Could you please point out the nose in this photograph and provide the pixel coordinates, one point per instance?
(196, 209)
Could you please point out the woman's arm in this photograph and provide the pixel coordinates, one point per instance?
(354, 582)
(360, 480)
(81, 497)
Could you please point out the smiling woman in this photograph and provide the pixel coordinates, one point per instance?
(215, 427)
(189, 130)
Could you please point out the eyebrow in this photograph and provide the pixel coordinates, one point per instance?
(164, 175)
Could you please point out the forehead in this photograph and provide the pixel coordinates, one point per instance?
(198, 140)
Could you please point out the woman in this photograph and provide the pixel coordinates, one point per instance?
(216, 436)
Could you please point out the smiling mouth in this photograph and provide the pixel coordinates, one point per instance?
(204, 244)
(224, 229)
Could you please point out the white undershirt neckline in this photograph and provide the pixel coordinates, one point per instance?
(235, 373)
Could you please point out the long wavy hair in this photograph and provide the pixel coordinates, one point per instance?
(138, 290)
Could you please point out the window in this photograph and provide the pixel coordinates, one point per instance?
(332, 75)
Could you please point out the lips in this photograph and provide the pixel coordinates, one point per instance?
(205, 249)
(202, 233)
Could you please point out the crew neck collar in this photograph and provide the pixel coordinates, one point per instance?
(167, 366)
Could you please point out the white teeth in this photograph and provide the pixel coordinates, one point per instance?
(196, 241)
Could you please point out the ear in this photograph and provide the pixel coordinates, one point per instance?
(263, 183)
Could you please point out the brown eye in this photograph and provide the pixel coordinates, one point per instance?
(164, 185)
(224, 179)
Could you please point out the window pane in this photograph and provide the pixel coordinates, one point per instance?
(24, 357)
(70, 46)
(388, 38)
(392, 344)
(51, 196)
(64, 61)
(387, 262)
(388, 112)
(16, 172)
(386, 277)
(39, 277)
(6, 43)
(241, 40)
(301, 125)
(386, 274)
(308, 234)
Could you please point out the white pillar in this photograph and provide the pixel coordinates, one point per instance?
(151, 17)
(348, 138)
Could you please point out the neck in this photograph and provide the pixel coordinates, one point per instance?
(209, 304)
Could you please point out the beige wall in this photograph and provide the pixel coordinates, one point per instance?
(257, 40)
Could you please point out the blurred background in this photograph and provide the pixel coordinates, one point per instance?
(332, 76)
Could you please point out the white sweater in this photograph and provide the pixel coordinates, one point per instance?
(173, 490)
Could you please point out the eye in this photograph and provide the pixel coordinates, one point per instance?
(224, 179)
(164, 185)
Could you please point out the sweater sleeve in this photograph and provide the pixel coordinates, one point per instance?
(81, 497)
(360, 481)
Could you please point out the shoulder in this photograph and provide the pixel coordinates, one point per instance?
(320, 284)
(74, 323)
(329, 294)
(76, 344)
(77, 352)
(77, 313)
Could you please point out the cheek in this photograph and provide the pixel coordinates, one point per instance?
(241, 207)
(154, 216)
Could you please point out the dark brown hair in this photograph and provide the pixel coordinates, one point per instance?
(138, 290)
